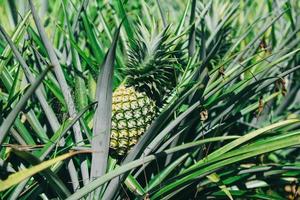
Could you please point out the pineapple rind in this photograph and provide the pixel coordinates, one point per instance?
(132, 114)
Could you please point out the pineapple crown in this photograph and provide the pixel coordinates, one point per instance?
(152, 63)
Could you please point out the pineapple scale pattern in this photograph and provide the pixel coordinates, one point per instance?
(132, 114)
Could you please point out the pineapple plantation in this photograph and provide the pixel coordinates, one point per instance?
(149, 99)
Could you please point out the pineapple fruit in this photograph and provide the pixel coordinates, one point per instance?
(133, 113)
(150, 76)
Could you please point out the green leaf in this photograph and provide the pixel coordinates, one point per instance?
(96, 48)
(55, 182)
(47, 109)
(182, 19)
(123, 17)
(216, 179)
(134, 186)
(161, 12)
(8, 122)
(244, 139)
(65, 127)
(26, 173)
(159, 178)
(7, 52)
(192, 34)
(102, 118)
(133, 164)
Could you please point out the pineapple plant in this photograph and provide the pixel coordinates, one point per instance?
(182, 122)
(149, 78)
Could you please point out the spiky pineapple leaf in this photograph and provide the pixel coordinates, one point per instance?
(133, 164)
(25, 173)
(9, 120)
(152, 63)
(102, 118)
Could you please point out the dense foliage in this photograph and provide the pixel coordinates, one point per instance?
(215, 85)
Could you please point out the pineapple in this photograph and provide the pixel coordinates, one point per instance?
(133, 112)
(150, 76)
